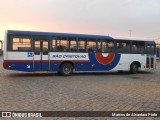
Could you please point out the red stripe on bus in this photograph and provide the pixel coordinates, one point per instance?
(18, 60)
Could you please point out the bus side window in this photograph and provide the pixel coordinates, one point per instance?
(21, 43)
(73, 44)
(82, 45)
(91, 45)
(54, 44)
(138, 47)
(123, 46)
(141, 47)
(104, 46)
(152, 50)
(45, 47)
(62, 44)
(107, 46)
(111, 47)
(126, 46)
(99, 45)
(37, 47)
(119, 46)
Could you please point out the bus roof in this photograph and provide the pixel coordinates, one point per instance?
(58, 34)
(75, 35)
(132, 38)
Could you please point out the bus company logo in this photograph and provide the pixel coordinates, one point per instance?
(109, 60)
(105, 58)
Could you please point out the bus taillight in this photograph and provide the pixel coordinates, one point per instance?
(9, 66)
(4, 65)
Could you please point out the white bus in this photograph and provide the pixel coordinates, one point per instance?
(65, 53)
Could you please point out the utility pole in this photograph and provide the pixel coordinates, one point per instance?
(130, 33)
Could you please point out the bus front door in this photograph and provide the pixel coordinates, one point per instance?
(150, 50)
(41, 55)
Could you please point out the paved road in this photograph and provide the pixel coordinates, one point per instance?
(80, 92)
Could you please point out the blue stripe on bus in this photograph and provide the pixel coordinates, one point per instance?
(93, 65)
(20, 66)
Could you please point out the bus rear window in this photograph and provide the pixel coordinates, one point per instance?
(21, 43)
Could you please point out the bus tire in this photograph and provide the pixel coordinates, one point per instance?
(134, 68)
(66, 69)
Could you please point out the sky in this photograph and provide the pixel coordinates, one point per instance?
(140, 18)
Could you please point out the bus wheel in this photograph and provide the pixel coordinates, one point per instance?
(134, 68)
(66, 69)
